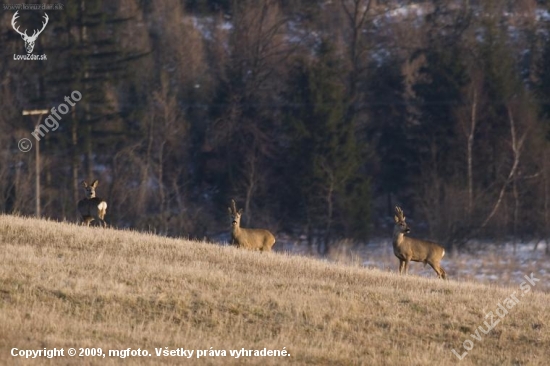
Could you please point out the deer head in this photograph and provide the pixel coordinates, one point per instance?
(29, 40)
(234, 214)
(400, 224)
(90, 189)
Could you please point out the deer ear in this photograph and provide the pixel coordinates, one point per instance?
(396, 219)
(95, 183)
(241, 211)
(84, 184)
(229, 209)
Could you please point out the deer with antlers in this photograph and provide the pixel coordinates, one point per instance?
(253, 239)
(92, 208)
(29, 40)
(408, 249)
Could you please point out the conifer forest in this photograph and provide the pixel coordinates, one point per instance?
(317, 116)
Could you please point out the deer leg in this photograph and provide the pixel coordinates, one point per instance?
(440, 271)
(407, 266)
(102, 218)
(443, 273)
(101, 222)
(401, 266)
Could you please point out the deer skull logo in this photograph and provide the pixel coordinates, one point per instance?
(29, 40)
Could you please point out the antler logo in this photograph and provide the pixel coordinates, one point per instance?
(29, 40)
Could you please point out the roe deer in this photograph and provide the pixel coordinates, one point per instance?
(92, 208)
(409, 249)
(253, 239)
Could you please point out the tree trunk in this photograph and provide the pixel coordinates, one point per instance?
(74, 161)
(470, 155)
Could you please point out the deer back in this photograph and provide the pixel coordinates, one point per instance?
(92, 206)
(253, 238)
(423, 250)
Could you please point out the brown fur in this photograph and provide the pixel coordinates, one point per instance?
(252, 239)
(408, 249)
(92, 208)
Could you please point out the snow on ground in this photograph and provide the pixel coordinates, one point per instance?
(489, 264)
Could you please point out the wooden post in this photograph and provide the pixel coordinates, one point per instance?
(40, 113)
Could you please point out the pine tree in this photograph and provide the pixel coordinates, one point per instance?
(334, 195)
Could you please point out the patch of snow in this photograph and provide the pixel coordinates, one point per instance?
(542, 15)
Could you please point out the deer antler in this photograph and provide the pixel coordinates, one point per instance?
(399, 213)
(24, 34)
(233, 206)
(15, 16)
(35, 34)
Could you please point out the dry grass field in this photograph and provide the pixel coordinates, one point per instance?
(65, 286)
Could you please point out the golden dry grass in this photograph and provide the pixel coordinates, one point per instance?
(67, 286)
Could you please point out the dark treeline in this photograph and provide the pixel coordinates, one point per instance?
(316, 116)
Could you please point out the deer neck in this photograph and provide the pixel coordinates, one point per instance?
(398, 238)
(235, 229)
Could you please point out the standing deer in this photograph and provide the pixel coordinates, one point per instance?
(253, 239)
(408, 249)
(92, 208)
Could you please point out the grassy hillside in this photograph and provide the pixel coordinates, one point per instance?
(65, 286)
